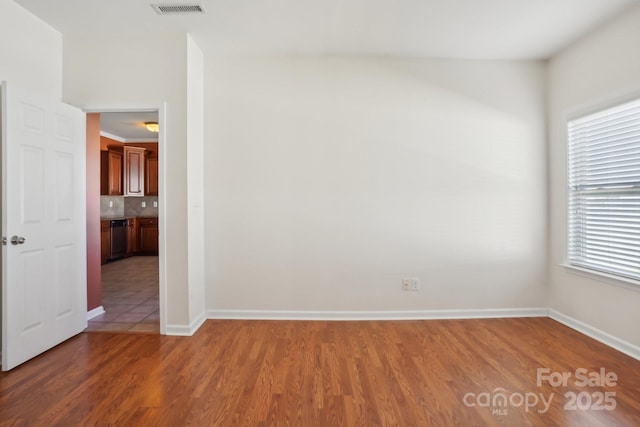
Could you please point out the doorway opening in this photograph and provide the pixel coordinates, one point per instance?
(124, 295)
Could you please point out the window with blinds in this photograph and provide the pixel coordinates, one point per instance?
(604, 191)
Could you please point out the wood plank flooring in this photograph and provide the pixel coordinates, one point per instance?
(293, 373)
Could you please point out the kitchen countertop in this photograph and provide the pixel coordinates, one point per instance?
(108, 218)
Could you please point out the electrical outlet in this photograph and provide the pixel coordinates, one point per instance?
(406, 284)
(155, 204)
(110, 203)
(415, 284)
(144, 204)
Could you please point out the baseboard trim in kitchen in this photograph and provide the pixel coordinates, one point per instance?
(95, 312)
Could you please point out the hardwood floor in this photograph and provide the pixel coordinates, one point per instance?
(293, 373)
(130, 291)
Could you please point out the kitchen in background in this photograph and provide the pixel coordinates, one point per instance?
(112, 206)
(128, 223)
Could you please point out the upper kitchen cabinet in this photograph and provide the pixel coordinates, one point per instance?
(111, 176)
(134, 171)
(151, 175)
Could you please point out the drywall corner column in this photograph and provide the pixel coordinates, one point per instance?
(195, 180)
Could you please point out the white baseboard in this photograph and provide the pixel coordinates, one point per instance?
(376, 315)
(95, 312)
(598, 335)
(186, 330)
(605, 338)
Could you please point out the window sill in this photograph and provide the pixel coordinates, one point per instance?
(603, 277)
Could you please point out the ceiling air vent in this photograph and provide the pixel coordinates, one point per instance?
(166, 9)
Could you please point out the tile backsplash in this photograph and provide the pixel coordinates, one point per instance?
(111, 206)
(133, 206)
(120, 206)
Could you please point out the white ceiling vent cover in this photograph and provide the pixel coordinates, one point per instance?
(174, 8)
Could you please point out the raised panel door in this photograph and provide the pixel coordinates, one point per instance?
(151, 176)
(115, 173)
(133, 171)
(111, 173)
(148, 235)
(44, 283)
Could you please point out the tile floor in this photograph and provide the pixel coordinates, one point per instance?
(129, 296)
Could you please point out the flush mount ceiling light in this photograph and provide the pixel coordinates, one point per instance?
(173, 8)
(152, 126)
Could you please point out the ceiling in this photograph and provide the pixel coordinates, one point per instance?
(128, 126)
(473, 29)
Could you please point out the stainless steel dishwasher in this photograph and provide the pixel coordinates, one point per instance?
(118, 229)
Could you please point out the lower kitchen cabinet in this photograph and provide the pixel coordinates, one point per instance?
(141, 237)
(132, 236)
(148, 236)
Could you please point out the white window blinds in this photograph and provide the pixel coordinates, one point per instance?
(604, 191)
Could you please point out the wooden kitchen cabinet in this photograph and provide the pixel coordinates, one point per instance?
(148, 236)
(133, 171)
(151, 176)
(111, 172)
(105, 240)
(132, 236)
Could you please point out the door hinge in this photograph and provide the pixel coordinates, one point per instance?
(4, 241)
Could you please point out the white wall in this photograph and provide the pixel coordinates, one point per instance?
(598, 70)
(30, 51)
(133, 71)
(328, 180)
(195, 180)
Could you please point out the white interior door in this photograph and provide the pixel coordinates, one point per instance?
(44, 222)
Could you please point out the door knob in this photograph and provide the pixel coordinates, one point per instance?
(17, 240)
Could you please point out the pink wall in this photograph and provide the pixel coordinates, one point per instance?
(94, 276)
